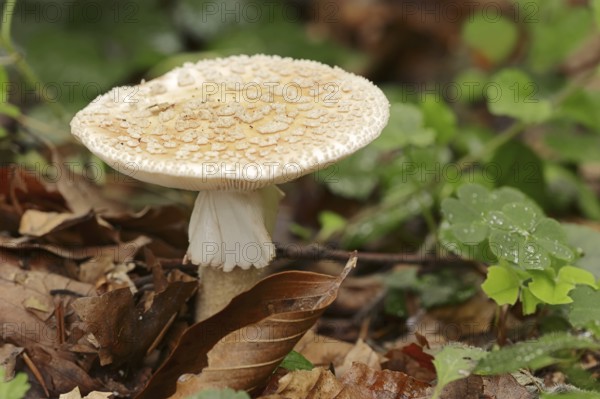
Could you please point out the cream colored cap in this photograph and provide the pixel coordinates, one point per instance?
(235, 123)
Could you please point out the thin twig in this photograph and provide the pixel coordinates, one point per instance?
(36, 372)
(319, 252)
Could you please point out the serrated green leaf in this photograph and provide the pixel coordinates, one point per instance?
(295, 361)
(502, 285)
(584, 312)
(515, 94)
(455, 362)
(549, 289)
(587, 241)
(571, 395)
(226, 393)
(495, 39)
(532, 354)
(15, 388)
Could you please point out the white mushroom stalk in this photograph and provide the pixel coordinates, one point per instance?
(232, 129)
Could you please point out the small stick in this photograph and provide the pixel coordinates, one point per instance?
(36, 373)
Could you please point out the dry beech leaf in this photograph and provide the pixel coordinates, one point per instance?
(118, 253)
(125, 330)
(240, 346)
(315, 383)
(474, 387)
(38, 223)
(323, 351)
(76, 394)
(385, 384)
(361, 352)
(8, 359)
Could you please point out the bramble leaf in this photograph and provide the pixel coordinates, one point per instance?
(454, 362)
(532, 354)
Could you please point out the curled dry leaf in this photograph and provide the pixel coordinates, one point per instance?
(385, 384)
(125, 330)
(315, 383)
(360, 352)
(8, 359)
(323, 351)
(38, 223)
(360, 382)
(474, 387)
(240, 346)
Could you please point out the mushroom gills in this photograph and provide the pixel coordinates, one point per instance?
(230, 241)
(229, 229)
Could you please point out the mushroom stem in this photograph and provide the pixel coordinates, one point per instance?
(230, 241)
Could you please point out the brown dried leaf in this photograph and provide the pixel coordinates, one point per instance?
(323, 351)
(125, 330)
(76, 394)
(316, 383)
(240, 346)
(384, 384)
(8, 359)
(37, 223)
(363, 353)
(61, 370)
(474, 387)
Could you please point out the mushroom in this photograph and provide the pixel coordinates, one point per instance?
(232, 129)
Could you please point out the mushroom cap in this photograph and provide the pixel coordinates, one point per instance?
(235, 123)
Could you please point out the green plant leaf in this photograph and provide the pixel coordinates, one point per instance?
(521, 168)
(295, 361)
(587, 241)
(10, 110)
(529, 301)
(455, 362)
(226, 393)
(550, 289)
(514, 94)
(494, 39)
(331, 223)
(532, 354)
(405, 127)
(440, 117)
(584, 312)
(575, 275)
(549, 44)
(571, 395)
(15, 388)
(502, 285)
